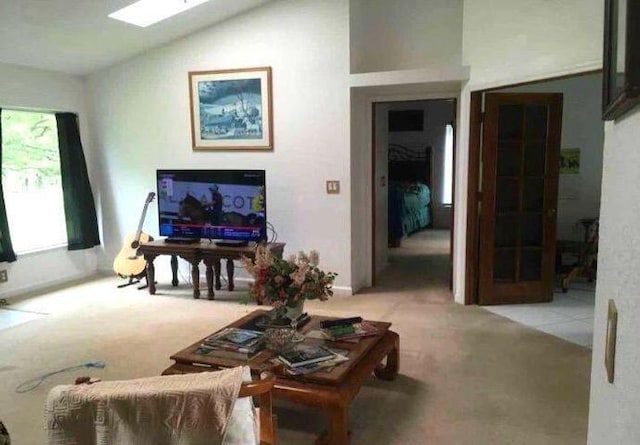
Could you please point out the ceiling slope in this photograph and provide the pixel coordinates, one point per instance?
(77, 37)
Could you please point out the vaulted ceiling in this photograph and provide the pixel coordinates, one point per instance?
(77, 37)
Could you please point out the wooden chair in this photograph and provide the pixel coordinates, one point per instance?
(586, 253)
(257, 388)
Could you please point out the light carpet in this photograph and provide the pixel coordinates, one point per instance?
(466, 376)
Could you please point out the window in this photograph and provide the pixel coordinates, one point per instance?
(447, 189)
(31, 180)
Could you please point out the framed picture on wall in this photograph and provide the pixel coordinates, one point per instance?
(621, 76)
(231, 109)
(406, 120)
(570, 161)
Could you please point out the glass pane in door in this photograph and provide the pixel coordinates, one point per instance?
(509, 158)
(531, 230)
(534, 158)
(504, 264)
(506, 231)
(510, 122)
(507, 195)
(531, 264)
(533, 194)
(536, 121)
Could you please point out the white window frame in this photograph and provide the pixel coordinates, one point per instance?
(447, 176)
(42, 201)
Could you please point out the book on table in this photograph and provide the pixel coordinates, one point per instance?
(339, 331)
(350, 332)
(340, 356)
(234, 337)
(269, 320)
(237, 354)
(302, 355)
(232, 343)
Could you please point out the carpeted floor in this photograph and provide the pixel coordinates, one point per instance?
(467, 376)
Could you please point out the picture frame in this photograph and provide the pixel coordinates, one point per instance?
(231, 109)
(570, 161)
(621, 58)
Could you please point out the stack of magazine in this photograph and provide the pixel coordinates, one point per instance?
(233, 343)
(305, 358)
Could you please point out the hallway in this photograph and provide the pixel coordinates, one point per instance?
(420, 263)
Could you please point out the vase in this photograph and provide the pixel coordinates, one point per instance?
(294, 312)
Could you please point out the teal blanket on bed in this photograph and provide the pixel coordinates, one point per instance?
(408, 209)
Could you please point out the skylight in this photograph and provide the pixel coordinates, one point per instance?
(147, 12)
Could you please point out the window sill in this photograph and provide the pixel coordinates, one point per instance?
(34, 252)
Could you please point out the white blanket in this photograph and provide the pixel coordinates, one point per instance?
(190, 409)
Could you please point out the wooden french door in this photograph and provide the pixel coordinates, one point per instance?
(520, 167)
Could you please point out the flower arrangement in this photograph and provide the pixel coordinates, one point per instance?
(288, 282)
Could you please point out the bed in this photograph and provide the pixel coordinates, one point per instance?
(409, 191)
(408, 209)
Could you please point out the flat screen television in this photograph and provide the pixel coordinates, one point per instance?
(220, 205)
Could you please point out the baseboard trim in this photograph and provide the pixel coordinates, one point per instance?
(342, 291)
(50, 286)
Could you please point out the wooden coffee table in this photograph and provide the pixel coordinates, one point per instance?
(331, 391)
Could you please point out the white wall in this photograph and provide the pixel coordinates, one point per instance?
(29, 88)
(437, 114)
(141, 124)
(399, 35)
(514, 41)
(360, 172)
(582, 127)
(615, 408)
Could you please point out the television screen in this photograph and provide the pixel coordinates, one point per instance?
(214, 204)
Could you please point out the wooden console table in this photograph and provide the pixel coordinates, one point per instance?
(206, 251)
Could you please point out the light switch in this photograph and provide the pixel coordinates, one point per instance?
(333, 187)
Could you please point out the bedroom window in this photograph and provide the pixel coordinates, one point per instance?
(31, 180)
(447, 190)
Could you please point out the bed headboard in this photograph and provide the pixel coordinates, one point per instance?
(410, 164)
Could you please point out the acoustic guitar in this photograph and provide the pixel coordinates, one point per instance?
(128, 262)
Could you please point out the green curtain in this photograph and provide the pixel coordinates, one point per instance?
(6, 248)
(79, 207)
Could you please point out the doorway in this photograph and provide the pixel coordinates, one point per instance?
(568, 311)
(413, 158)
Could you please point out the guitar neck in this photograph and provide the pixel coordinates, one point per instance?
(144, 214)
(142, 217)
